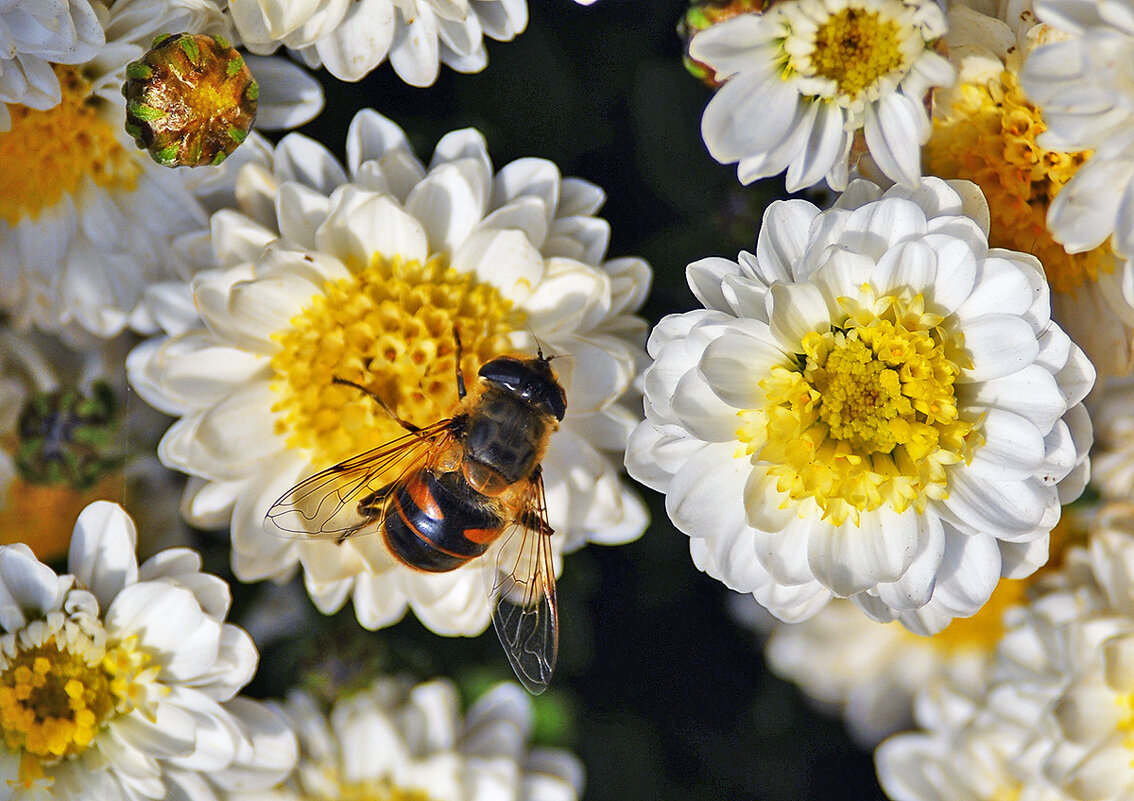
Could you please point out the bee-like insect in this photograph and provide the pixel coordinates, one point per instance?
(459, 485)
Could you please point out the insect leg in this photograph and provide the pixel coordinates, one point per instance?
(404, 424)
(460, 373)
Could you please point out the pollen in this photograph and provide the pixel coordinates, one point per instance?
(59, 689)
(389, 328)
(47, 154)
(988, 136)
(855, 48)
(866, 415)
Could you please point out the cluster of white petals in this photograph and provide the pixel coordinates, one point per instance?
(34, 34)
(352, 38)
(80, 245)
(795, 491)
(1082, 86)
(150, 665)
(305, 226)
(1054, 723)
(394, 740)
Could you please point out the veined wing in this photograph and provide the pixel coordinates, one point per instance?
(525, 611)
(349, 497)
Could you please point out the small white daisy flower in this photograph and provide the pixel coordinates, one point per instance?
(120, 681)
(365, 276)
(34, 35)
(804, 76)
(351, 39)
(397, 741)
(1083, 88)
(86, 218)
(874, 406)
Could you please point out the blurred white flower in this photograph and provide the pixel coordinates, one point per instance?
(365, 277)
(1055, 721)
(874, 406)
(1082, 86)
(86, 218)
(396, 741)
(986, 130)
(804, 76)
(352, 38)
(870, 672)
(119, 681)
(34, 35)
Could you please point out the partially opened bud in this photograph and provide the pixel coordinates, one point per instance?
(190, 100)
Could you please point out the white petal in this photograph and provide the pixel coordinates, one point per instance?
(102, 551)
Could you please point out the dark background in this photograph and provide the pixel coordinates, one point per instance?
(658, 691)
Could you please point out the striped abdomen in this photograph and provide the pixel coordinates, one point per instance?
(437, 522)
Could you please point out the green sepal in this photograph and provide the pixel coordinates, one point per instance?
(219, 158)
(221, 41)
(189, 47)
(161, 37)
(144, 112)
(139, 70)
(237, 135)
(233, 66)
(167, 156)
(253, 91)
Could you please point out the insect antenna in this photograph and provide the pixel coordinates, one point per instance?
(408, 426)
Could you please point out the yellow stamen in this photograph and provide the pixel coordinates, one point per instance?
(988, 136)
(866, 416)
(376, 790)
(49, 153)
(855, 47)
(388, 328)
(57, 696)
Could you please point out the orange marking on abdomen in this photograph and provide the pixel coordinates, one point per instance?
(422, 498)
(481, 536)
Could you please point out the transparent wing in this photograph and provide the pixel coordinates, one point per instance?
(349, 497)
(525, 611)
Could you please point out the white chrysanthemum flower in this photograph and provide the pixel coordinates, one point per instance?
(86, 218)
(365, 277)
(351, 39)
(986, 130)
(1059, 697)
(869, 672)
(804, 76)
(119, 681)
(1083, 88)
(875, 406)
(397, 741)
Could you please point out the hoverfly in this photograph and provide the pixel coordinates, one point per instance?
(459, 485)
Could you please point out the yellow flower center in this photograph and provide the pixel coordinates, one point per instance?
(855, 47)
(56, 696)
(867, 414)
(388, 328)
(48, 153)
(988, 136)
